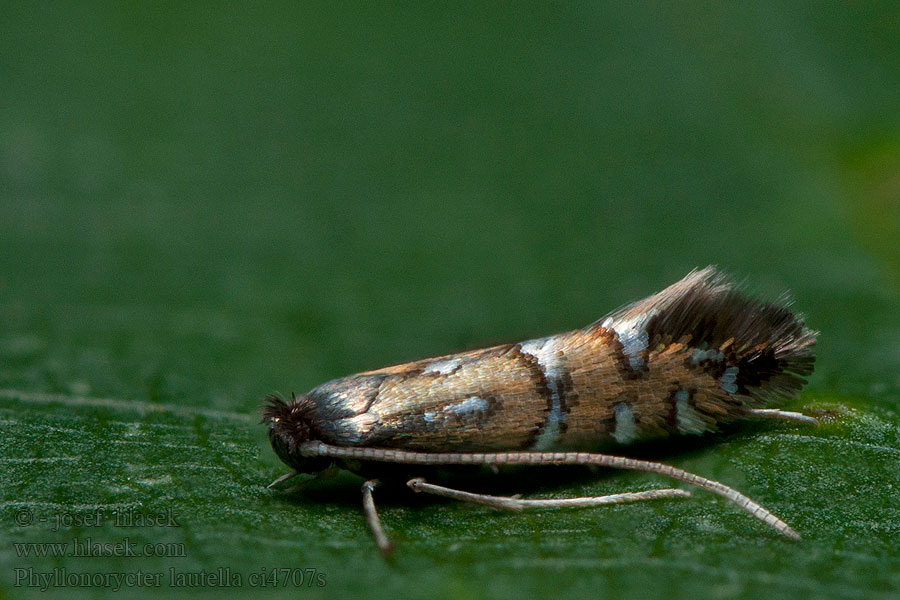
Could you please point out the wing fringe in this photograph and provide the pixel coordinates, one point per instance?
(769, 344)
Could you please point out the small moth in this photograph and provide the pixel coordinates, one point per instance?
(684, 361)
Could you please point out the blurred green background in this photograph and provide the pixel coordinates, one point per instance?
(203, 203)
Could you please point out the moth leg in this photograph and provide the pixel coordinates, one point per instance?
(326, 474)
(517, 504)
(774, 413)
(381, 538)
(282, 479)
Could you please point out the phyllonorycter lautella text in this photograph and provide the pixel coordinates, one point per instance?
(687, 360)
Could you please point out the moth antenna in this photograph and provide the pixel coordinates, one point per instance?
(316, 448)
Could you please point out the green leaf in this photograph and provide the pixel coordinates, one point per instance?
(199, 207)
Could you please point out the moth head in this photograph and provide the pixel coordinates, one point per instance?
(289, 428)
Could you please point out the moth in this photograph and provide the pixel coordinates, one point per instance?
(698, 355)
